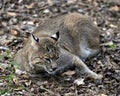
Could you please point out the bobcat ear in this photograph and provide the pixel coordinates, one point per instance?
(55, 36)
(33, 41)
(35, 38)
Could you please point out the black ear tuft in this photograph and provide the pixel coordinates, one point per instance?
(55, 36)
(35, 38)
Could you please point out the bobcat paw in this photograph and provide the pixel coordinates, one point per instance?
(97, 78)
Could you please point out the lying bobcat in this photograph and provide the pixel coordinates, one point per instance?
(59, 44)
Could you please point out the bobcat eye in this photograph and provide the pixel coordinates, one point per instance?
(48, 60)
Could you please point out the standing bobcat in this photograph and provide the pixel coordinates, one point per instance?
(59, 44)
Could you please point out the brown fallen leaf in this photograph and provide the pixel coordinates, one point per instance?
(19, 88)
(100, 63)
(2, 69)
(50, 2)
(20, 1)
(69, 73)
(28, 83)
(115, 8)
(30, 22)
(69, 94)
(79, 81)
(71, 1)
(16, 81)
(25, 76)
(113, 26)
(14, 32)
(46, 11)
(30, 6)
(102, 95)
(1, 32)
(12, 14)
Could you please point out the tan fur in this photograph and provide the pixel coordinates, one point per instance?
(78, 39)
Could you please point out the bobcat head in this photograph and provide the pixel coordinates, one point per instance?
(45, 52)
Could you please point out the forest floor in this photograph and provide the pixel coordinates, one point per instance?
(18, 18)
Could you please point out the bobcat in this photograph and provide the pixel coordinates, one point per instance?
(59, 44)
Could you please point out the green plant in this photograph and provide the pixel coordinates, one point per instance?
(6, 55)
(112, 46)
(13, 63)
(4, 91)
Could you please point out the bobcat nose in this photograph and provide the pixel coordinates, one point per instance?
(54, 65)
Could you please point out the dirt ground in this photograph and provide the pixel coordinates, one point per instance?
(18, 18)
